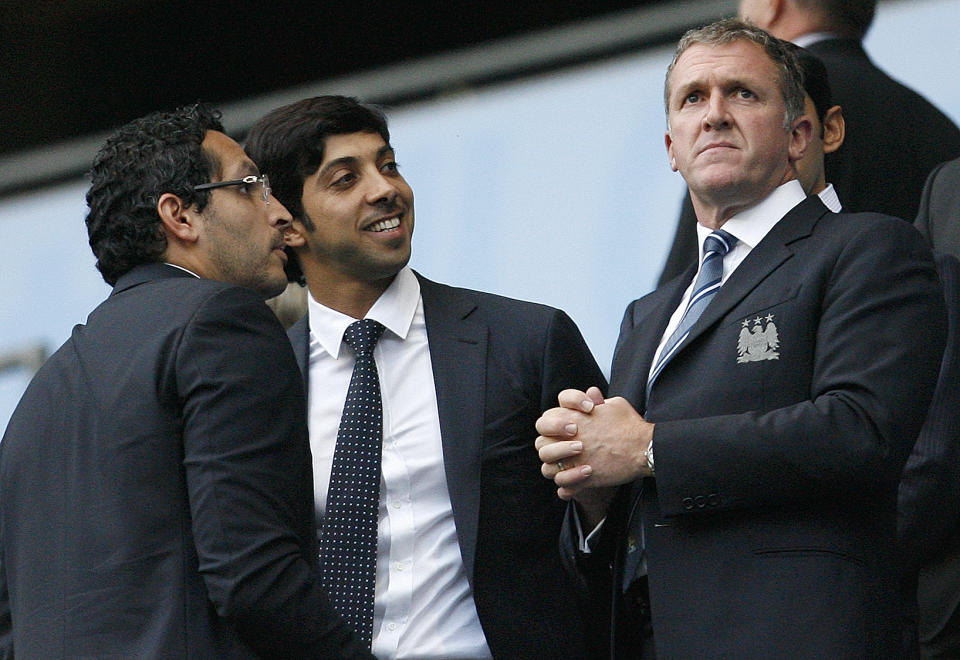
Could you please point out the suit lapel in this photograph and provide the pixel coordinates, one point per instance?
(299, 334)
(458, 350)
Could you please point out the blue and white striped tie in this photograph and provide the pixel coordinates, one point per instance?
(716, 245)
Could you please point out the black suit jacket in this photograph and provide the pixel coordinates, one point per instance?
(497, 364)
(156, 489)
(939, 216)
(770, 523)
(928, 511)
(894, 139)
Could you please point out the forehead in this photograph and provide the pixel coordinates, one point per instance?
(233, 160)
(739, 60)
(352, 145)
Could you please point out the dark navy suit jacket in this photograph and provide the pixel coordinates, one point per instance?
(770, 523)
(497, 364)
(156, 497)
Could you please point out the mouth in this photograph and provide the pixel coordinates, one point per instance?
(385, 224)
(717, 145)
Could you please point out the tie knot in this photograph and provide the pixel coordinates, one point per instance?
(363, 335)
(718, 241)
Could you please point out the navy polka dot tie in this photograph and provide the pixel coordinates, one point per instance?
(348, 535)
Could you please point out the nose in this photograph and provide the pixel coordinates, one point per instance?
(277, 214)
(381, 190)
(716, 114)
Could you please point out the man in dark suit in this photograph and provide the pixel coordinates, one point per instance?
(155, 477)
(894, 135)
(467, 564)
(928, 511)
(939, 216)
(767, 400)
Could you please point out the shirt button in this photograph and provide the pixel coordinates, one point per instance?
(397, 504)
(391, 626)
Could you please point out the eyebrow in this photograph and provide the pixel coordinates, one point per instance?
(244, 168)
(700, 83)
(352, 160)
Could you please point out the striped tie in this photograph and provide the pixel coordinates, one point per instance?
(716, 245)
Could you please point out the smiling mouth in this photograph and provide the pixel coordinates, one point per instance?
(389, 224)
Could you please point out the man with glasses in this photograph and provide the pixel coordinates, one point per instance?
(155, 480)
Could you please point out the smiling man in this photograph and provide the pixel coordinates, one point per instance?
(155, 477)
(766, 400)
(437, 534)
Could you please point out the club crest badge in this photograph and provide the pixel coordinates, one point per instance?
(758, 340)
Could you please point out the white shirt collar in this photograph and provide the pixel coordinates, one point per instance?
(186, 270)
(830, 198)
(752, 224)
(807, 40)
(394, 308)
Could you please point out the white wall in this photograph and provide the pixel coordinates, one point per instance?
(554, 189)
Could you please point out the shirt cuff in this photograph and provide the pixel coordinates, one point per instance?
(583, 542)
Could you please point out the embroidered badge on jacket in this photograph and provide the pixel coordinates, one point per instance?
(758, 340)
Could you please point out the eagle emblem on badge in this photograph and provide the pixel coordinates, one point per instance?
(758, 340)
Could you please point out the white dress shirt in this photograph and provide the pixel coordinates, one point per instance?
(423, 606)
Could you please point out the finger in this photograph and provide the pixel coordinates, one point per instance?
(556, 423)
(560, 451)
(567, 494)
(595, 395)
(574, 477)
(542, 441)
(576, 400)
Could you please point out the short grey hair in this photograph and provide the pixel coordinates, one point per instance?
(730, 30)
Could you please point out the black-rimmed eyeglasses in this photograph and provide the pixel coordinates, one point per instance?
(248, 181)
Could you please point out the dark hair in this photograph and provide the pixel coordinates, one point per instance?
(157, 154)
(288, 143)
(815, 81)
(848, 18)
(730, 30)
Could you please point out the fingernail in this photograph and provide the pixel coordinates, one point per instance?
(571, 429)
(577, 446)
(586, 470)
(586, 405)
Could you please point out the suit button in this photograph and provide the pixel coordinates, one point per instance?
(713, 499)
(701, 501)
(687, 503)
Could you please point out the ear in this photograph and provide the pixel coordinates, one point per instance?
(763, 13)
(775, 10)
(295, 234)
(800, 136)
(177, 219)
(834, 129)
(668, 141)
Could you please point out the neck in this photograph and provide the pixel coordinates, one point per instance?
(714, 208)
(346, 295)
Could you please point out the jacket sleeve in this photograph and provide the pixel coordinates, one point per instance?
(248, 467)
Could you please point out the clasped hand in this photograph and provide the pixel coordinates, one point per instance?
(597, 442)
